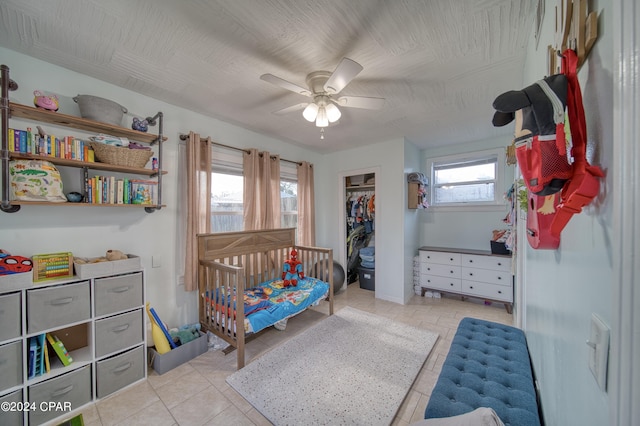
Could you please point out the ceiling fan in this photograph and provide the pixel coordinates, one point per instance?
(323, 88)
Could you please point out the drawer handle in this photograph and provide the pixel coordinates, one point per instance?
(451, 272)
(499, 277)
(470, 274)
(451, 259)
(470, 260)
(122, 289)
(499, 263)
(63, 301)
(499, 291)
(428, 257)
(62, 391)
(123, 367)
(451, 284)
(120, 328)
(470, 286)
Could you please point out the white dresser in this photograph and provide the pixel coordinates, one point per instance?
(470, 273)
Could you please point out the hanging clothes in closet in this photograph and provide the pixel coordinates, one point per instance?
(360, 212)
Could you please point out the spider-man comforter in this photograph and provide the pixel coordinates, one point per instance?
(272, 302)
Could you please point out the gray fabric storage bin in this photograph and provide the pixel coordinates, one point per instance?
(175, 357)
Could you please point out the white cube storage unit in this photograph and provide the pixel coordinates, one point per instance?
(470, 273)
(101, 323)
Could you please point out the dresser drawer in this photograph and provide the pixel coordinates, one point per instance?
(440, 257)
(13, 418)
(73, 388)
(440, 283)
(118, 332)
(489, 291)
(449, 271)
(119, 371)
(10, 309)
(10, 365)
(116, 294)
(487, 276)
(58, 305)
(487, 262)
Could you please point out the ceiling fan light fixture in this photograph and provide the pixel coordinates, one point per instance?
(333, 112)
(310, 112)
(322, 120)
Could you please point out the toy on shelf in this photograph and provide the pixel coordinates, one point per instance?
(45, 102)
(14, 264)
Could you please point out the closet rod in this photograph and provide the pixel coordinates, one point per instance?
(184, 137)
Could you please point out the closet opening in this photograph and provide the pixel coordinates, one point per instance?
(360, 212)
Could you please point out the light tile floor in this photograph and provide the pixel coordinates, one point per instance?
(196, 392)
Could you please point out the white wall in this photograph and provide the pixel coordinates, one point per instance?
(565, 286)
(412, 163)
(90, 231)
(461, 229)
(390, 201)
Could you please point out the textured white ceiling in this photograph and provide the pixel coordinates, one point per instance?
(438, 63)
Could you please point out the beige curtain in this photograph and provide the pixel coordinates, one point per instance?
(306, 205)
(261, 190)
(198, 203)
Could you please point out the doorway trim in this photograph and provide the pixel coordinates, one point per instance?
(342, 219)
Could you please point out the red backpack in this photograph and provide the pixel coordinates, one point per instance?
(553, 161)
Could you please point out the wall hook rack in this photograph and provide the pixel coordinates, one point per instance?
(576, 29)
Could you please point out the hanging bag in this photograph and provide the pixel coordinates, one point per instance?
(551, 151)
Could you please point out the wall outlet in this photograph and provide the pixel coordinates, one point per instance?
(598, 344)
(180, 280)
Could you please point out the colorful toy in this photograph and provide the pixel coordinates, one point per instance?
(292, 270)
(14, 264)
(140, 125)
(45, 102)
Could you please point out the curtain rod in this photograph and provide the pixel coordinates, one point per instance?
(184, 137)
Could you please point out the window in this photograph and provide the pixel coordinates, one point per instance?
(227, 190)
(463, 180)
(288, 195)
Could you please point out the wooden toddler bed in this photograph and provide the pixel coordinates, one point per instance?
(251, 263)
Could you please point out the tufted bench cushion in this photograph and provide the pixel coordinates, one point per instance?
(487, 365)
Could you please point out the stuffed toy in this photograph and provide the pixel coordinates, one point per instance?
(14, 264)
(292, 270)
(43, 101)
(116, 255)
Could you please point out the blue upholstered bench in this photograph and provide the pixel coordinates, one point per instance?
(488, 365)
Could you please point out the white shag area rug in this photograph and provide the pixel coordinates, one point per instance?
(352, 368)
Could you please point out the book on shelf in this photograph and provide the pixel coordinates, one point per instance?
(59, 349)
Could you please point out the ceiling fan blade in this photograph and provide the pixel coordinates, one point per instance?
(360, 102)
(292, 108)
(270, 78)
(346, 70)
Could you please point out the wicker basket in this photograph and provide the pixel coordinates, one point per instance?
(121, 156)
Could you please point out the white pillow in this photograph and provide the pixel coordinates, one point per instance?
(482, 416)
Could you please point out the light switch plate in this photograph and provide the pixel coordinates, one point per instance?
(598, 344)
